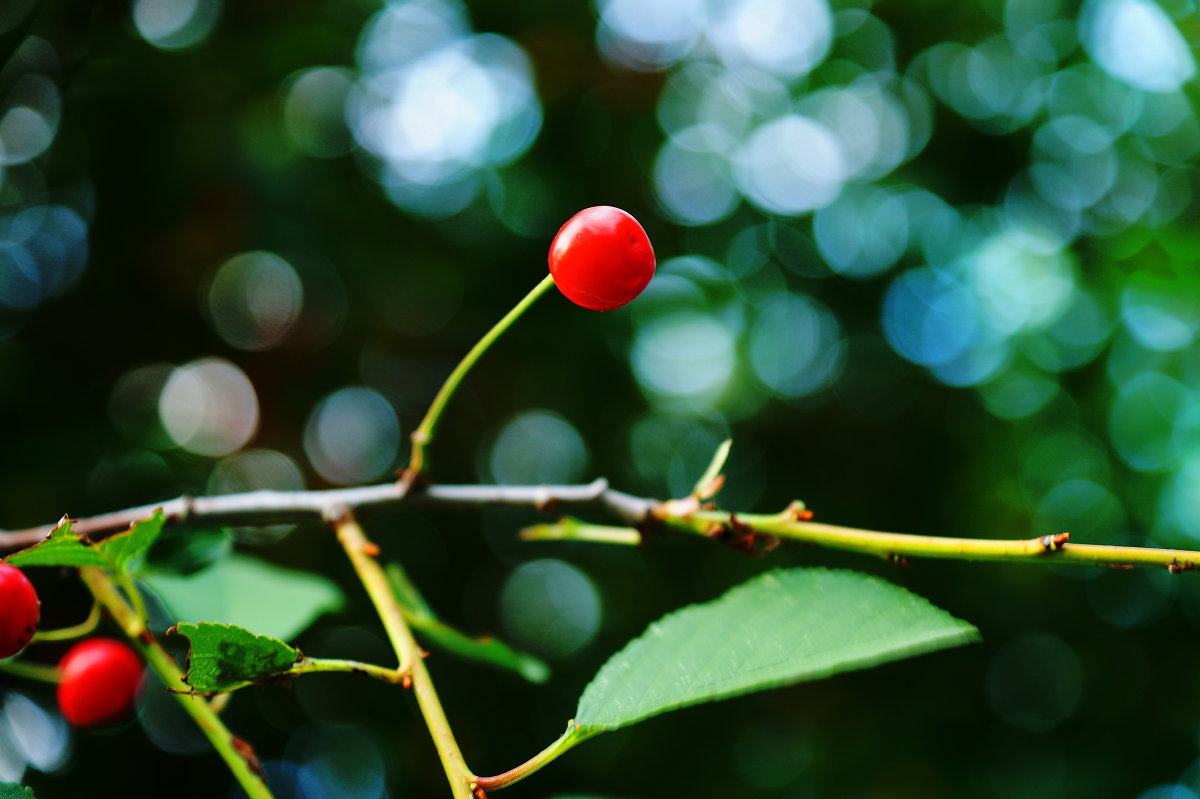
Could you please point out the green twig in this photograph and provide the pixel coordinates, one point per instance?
(362, 556)
(30, 671)
(571, 529)
(423, 435)
(73, 632)
(135, 596)
(793, 525)
(236, 753)
(574, 735)
(306, 665)
(316, 665)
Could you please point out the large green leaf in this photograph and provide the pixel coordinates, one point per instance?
(250, 593)
(61, 548)
(779, 628)
(224, 656)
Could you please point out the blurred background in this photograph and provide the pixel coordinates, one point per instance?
(932, 265)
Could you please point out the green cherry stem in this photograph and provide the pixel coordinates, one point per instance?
(235, 752)
(573, 735)
(422, 437)
(74, 631)
(30, 671)
(135, 596)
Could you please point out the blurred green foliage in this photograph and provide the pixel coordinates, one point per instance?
(931, 265)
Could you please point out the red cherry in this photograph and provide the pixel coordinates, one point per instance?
(100, 679)
(601, 259)
(19, 610)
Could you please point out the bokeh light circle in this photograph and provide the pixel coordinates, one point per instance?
(209, 407)
(353, 435)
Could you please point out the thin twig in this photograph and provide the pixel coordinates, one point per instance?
(272, 507)
(362, 556)
(1052, 548)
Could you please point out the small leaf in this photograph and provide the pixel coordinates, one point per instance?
(123, 548)
(486, 650)
(248, 592)
(61, 548)
(224, 656)
(406, 592)
(779, 628)
(710, 482)
(11, 790)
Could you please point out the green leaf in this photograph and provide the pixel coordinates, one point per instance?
(224, 656)
(123, 548)
(779, 628)
(250, 593)
(61, 548)
(11, 790)
(406, 592)
(488, 650)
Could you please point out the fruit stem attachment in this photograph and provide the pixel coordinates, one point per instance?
(235, 752)
(422, 437)
(74, 631)
(573, 735)
(412, 664)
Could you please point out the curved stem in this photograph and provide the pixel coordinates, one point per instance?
(362, 556)
(73, 632)
(235, 752)
(30, 671)
(423, 435)
(574, 735)
(135, 596)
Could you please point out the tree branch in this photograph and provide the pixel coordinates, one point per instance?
(752, 533)
(272, 507)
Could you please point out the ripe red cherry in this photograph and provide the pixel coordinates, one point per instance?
(19, 610)
(100, 679)
(601, 259)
